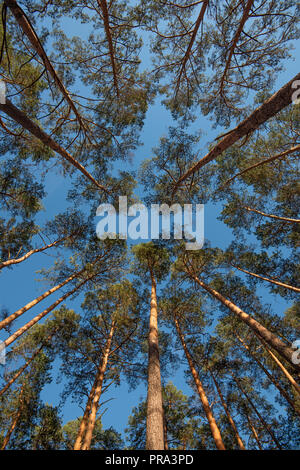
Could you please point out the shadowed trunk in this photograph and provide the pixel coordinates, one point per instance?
(230, 419)
(263, 422)
(254, 432)
(270, 377)
(208, 412)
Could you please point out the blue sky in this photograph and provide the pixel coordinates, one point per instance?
(19, 285)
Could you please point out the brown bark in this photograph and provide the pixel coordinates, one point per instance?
(34, 302)
(272, 281)
(265, 425)
(98, 390)
(245, 16)
(263, 162)
(202, 395)
(155, 425)
(270, 377)
(254, 432)
(285, 351)
(191, 43)
(41, 315)
(14, 423)
(103, 5)
(21, 118)
(31, 252)
(268, 109)
(28, 29)
(230, 419)
(272, 216)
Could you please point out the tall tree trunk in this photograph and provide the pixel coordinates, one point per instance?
(265, 425)
(155, 425)
(38, 317)
(31, 252)
(34, 302)
(254, 432)
(268, 109)
(14, 423)
(98, 391)
(230, 419)
(272, 281)
(208, 412)
(285, 351)
(270, 377)
(84, 421)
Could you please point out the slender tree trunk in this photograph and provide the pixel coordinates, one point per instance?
(14, 423)
(230, 419)
(38, 317)
(34, 302)
(265, 425)
(192, 40)
(155, 425)
(281, 366)
(84, 421)
(272, 281)
(234, 42)
(268, 109)
(103, 5)
(254, 432)
(270, 377)
(31, 252)
(208, 412)
(21, 118)
(262, 162)
(98, 391)
(285, 351)
(272, 216)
